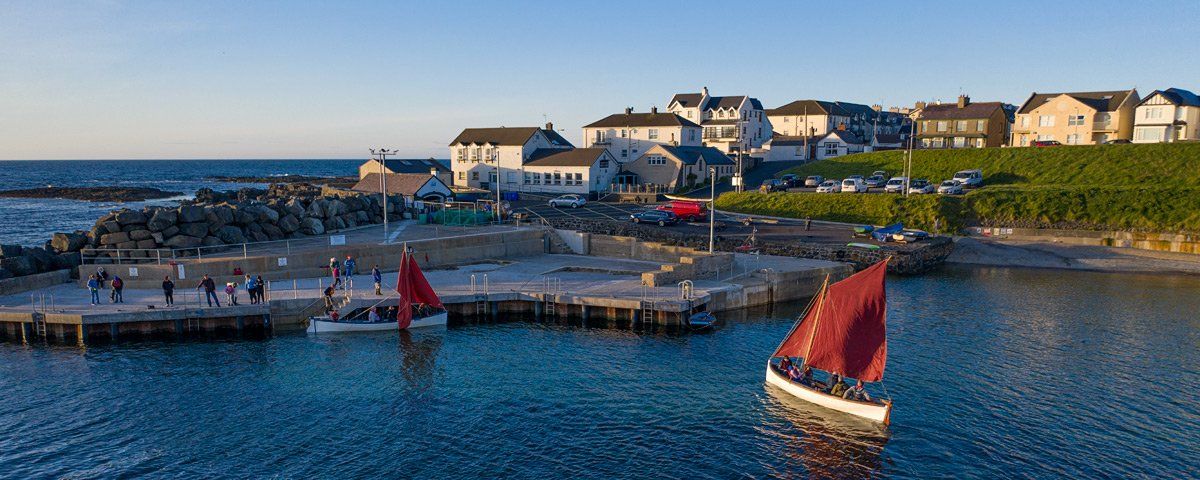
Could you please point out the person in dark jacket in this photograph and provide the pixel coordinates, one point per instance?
(210, 290)
(118, 288)
(378, 278)
(262, 288)
(168, 291)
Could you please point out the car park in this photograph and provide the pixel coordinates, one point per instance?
(790, 180)
(879, 173)
(859, 177)
(685, 210)
(969, 178)
(573, 201)
(771, 185)
(854, 185)
(895, 185)
(829, 186)
(950, 187)
(662, 218)
(875, 181)
(813, 181)
(920, 186)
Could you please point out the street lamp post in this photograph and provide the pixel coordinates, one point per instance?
(712, 207)
(381, 155)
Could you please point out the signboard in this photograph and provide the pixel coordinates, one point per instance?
(337, 239)
(133, 271)
(182, 274)
(737, 180)
(282, 261)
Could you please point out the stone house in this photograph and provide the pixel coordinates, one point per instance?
(580, 170)
(413, 186)
(676, 166)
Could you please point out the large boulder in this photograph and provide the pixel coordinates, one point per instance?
(191, 214)
(264, 213)
(130, 245)
(231, 234)
(43, 259)
(272, 232)
(362, 217)
(5, 274)
(348, 220)
(198, 230)
(139, 235)
(112, 226)
(289, 223)
(130, 217)
(114, 238)
(316, 209)
(335, 207)
(162, 220)
(243, 217)
(19, 266)
(182, 241)
(312, 226)
(68, 242)
(295, 208)
(67, 260)
(211, 242)
(10, 251)
(147, 244)
(224, 213)
(258, 237)
(334, 223)
(171, 231)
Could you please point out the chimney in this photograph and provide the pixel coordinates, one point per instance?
(704, 91)
(963, 100)
(877, 107)
(628, 110)
(550, 126)
(433, 171)
(841, 127)
(653, 110)
(920, 105)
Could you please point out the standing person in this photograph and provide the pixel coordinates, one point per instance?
(378, 278)
(329, 299)
(169, 291)
(337, 276)
(252, 290)
(348, 266)
(231, 293)
(94, 287)
(118, 287)
(210, 290)
(101, 277)
(262, 288)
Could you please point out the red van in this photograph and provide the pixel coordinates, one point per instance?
(686, 211)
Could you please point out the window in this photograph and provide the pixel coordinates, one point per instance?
(557, 178)
(978, 143)
(1046, 120)
(937, 142)
(720, 114)
(1180, 132)
(624, 133)
(475, 176)
(1075, 120)
(510, 177)
(980, 126)
(1045, 138)
(624, 153)
(689, 114)
(1024, 141)
(656, 160)
(603, 163)
(548, 177)
(579, 179)
(1180, 113)
(960, 142)
(528, 178)
(1073, 139)
(831, 148)
(462, 175)
(462, 154)
(960, 126)
(941, 126)
(652, 134)
(1154, 113)
(786, 119)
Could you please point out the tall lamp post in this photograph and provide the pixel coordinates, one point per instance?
(381, 155)
(712, 206)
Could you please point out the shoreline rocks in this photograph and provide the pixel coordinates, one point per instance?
(92, 194)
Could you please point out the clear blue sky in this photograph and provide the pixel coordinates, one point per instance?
(210, 79)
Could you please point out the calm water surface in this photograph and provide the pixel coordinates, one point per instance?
(996, 373)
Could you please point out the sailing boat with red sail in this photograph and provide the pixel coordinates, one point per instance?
(417, 306)
(844, 331)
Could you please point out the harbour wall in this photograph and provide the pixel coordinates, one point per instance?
(1159, 242)
(15, 285)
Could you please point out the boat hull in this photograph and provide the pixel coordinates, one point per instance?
(316, 325)
(876, 412)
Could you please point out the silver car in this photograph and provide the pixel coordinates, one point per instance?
(573, 201)
(950, 187)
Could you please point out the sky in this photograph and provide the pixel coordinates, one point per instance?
(213, 79)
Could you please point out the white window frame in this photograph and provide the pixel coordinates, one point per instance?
(1045, 120)
(652, 134)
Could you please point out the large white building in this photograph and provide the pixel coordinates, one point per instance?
(819, 117)
(733, 125)
(480, 156)
(1169, 115)
(628, 135)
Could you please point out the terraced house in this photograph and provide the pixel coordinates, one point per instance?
(964, 124)
(628, 135)
(1076, 118)
(819, 117)
(733, 125)
(1170, 115)
(480, 157)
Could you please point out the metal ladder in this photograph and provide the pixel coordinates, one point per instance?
(550, 289)
(647, 312)
(193, 325)
(481, 305)
(39, 327)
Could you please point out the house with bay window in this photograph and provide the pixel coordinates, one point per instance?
(1076, 118)
(733, 125)
(628, 135)
(1170, 115)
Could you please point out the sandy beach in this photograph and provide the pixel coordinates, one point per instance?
(1011, 253)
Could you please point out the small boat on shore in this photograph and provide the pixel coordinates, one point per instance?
(702, 321)
(843, 331)
(418, 306)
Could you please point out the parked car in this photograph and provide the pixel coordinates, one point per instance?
(854, 185)
(771, 185)
(573, 201)
(1117, 141)
(829, 186)
(875, 181)
(920, 186)
(950, 187)
(813, 181)
(790, 180)
(1046, 143)
(660, 217)
(895, 185)
(859, 177)
(879, 173)
(685, 210)
(969, 178)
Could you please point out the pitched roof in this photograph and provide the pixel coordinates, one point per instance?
(889, 138)
(846, 136)
(415, 165)
(397, 183)
(690, 155)
(692, 100)
(802, 107)
(790, 140)
(689, 100)
(553, 157)
(642, 120)
(1101, 101)
(505, 136)
(1177, 96)
(950, 111)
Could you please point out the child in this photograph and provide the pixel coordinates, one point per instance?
(231, 293)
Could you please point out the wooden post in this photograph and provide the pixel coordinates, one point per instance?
(114, 330)
(80, 335)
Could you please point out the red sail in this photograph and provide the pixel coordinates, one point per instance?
(404, 288)
(422, 292)
(851, 328)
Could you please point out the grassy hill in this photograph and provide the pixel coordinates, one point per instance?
(1152, 187)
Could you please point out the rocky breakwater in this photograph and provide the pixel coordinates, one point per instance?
(61, 252)
(159, 231)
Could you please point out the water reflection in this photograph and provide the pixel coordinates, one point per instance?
(418, 359)
(823, 443)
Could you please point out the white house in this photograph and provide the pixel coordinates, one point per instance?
(477, 155)
(1169, 115)
(787, 148)
(838, 143)
(580, 170)
(733, 125)
(673, 166)
(628, 135)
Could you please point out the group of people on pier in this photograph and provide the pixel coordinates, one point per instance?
(116, 286)
(836, 385)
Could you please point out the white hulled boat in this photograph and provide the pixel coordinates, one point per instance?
(844, 330)
(418, 306)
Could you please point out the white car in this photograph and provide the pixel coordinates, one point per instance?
(573, 201)
(970, 178)
(920, 186)
(950, 187)
(854, 185)
(830, 186)
(895, 185)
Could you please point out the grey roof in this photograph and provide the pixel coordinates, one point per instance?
(1177, 96)
(846, 136)
(889, 138)
(950, 111)
(689, 100)
(789, 140)
(1101, 101)
(397, 183)
(802, 107)
(692, 100)
(553, 157)
(659, 119)
(415, 165)
(505, 136)
(690, 155)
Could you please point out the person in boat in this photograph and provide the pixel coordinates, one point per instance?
(840, 388)
(793, 373)
(857, 392)
(374, 316)
(834, 378)
(806, 377)
(785, 364)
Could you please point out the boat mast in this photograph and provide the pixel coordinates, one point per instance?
(802, 315)
(816, 321)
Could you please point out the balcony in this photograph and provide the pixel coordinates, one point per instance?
(1103, 127)
(602, 143)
